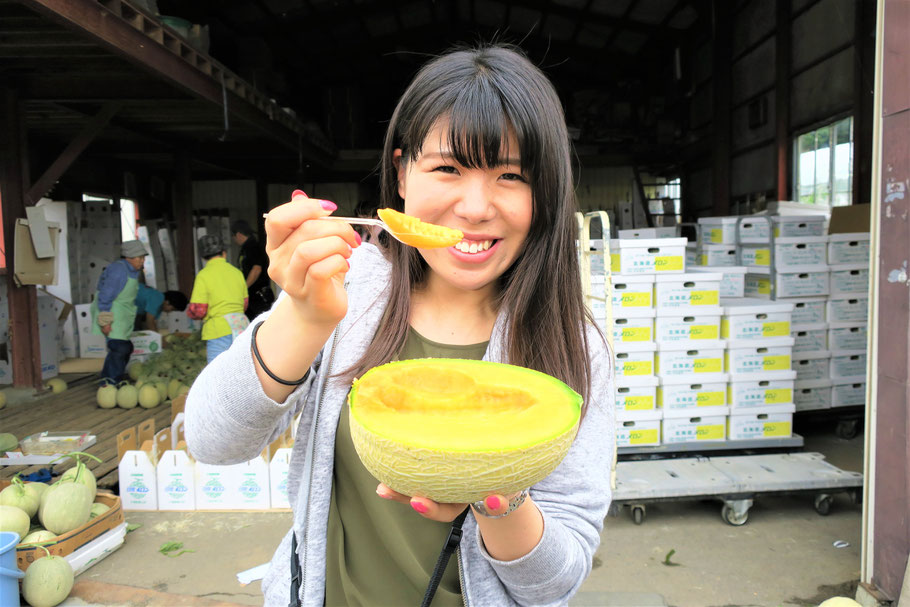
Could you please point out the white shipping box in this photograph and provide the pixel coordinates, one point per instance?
(847, 336)
(632, 292)
(252, 488)
(684, 426)
(718, 230)
(690, 292)
(716, 255)
(812, 365)
(749, 356)
(775, 421)
(752, 393)
(812, 395)
(47, 337)
(692, 391)
(788, 252)
(850, 279)
(848, 248)
(90, 345)
(848, 364)
(239, 486)
(278, 478)
(750, 318)
(653, 256)
(176, 478)
(755, 229)
(808, 310)
(638, 428)
(848, 308)
(733, 279)
(810, 338)
(145, 343)
(633, 325)
(848, 394)
(678, 326)
(634, 359)
(795, 281)
(138, 481)
(705, 358)
(646, 233)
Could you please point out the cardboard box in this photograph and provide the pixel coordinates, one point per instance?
(718, 230)
(749, 318)
(788, 252)
(716, 255)
(756, 357)
(83, 535)
(634, 359)
(684, 425)
(753, 393)
(671, 325)
(809, 338)
(90, 345)
(145, 343)
(808, 310)
(849, 219)
(812, 395)
(653, 256)
(733, 279)
(775, 421)
(632, 292)
(848, 365)
(636, 393)
(35, 246)
(138, 458)
(848, 308)
(692, 391)
(633, 325)
(647, 233)
(756, 229)
(811, 365)
(682, 358)
(850, 279)
(847, 336)
(794, 281)
(690, 292)
(638, 428)
(176, 479)
(847, 394)
(239, 486)
(848, 248)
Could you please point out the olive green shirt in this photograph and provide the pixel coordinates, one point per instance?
(381, 552)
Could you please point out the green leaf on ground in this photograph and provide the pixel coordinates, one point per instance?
(168, 547)
(130, 527)
(667, 560)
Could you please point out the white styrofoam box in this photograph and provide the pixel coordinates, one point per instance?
(733, 279)
(634, 359)
(750, 356)
(848, 364)
(685, 425)
(636, 393)
(812, 365)
(651, 256)
(850, 278)
(47, 337)
(848, 308)
(848, 248)
(632, 291)
(145, 343)
(138, 481)
(691, 255)
(718, 230)
(679, 358)
(848, 394)
(775, 421)
(633, 325)
(750, 318)
(717, 255)
(812, 395)
(795, 281)
(689, 291)
(788, 252)
(750, 393)
(785, 226)
(847, 336)
(638, 428)
(176, 480)
(244, 485)
(808, 310)
(692, 391)
(646, 233)
(90, 345)
(278, 477)
(810, 337)
(672, 325)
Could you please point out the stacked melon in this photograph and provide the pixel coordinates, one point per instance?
(458, 430)
(39, 513)
(161, 378)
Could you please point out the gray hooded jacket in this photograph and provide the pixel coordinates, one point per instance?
(229, 419)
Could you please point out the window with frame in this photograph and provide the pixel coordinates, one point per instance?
(823, 171)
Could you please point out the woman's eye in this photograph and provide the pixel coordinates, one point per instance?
(446, 168)
(513, 177)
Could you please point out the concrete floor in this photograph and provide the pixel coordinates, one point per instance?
(783, 556)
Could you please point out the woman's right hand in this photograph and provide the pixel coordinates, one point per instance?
(308, 257)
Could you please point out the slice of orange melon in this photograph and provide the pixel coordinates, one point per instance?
(420, 234)
(456, 431)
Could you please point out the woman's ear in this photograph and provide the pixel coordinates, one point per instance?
(401, 170)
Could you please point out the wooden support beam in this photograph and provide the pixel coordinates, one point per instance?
(25, 346)
(723, 49)
(783, 47)
(183, 208)
(864, 100)
(72, 151)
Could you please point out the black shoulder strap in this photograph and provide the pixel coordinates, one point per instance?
(448, 548)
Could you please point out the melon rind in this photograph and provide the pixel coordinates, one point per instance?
(462, 476)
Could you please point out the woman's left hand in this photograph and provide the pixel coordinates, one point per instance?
(445, 513)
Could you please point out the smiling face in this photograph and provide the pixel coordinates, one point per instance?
(492, 206)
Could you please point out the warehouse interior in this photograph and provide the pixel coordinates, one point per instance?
(173, 115)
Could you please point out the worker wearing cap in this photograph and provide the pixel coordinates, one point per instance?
(114, 308)
(219, 298)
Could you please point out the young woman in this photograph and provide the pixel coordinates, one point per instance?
(478, 142)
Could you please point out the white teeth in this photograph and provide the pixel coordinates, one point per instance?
(474, 246)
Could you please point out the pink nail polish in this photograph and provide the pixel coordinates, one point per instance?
(297, 193)
(383, 495)
(327, 205)
(349, 263)
(359, 242)
(492, 502)
(419, 507)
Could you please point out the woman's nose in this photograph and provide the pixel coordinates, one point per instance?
(475, 201)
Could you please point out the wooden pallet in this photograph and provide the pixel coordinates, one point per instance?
(75, 409)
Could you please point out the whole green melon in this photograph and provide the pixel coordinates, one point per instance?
(127, 396)
(80, 474)
(48, 581)
(8, 442)
(42, 535)
(56, 385)
(134, 370)
(149, 396)
(456, 431)
(17, 495)
(106, 397)
(14, 519)
(65, 506)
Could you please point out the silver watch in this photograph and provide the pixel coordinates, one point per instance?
(481, 509)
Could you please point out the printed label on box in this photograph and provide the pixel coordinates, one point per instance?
(775, 396)
(638, 299)
(647, 436)
(708, 365)
(710, 432)
(668, 263)
(780, 362)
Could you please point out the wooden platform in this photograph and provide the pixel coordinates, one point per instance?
(75, 409)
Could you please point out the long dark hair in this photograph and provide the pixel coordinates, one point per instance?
(485, 94)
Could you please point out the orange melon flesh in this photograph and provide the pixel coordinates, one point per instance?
(420, 234)
(458, 430)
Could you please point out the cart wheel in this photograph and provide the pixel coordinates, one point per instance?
(823, 503)
(638, 514)
(847, 428)
(730, 517)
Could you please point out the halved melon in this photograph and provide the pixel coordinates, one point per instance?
(420, 234)
(456, 430)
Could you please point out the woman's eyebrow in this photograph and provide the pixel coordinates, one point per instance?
(444, 155)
